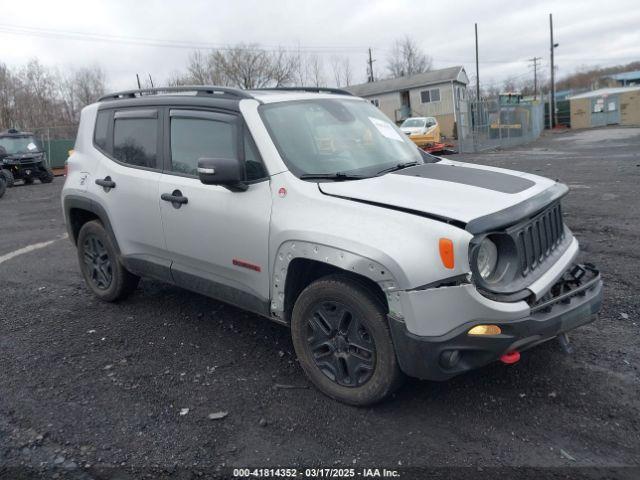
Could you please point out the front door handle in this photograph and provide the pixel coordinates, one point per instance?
(106, 183)
(176, 198)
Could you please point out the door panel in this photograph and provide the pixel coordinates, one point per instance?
(217, 239)
(127, 181)
(133, 208)
(218, 235)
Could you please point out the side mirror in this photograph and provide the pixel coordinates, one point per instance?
(227, 172)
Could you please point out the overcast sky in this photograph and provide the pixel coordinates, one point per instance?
(125, 37)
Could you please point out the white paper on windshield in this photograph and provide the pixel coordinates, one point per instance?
(32, 147)
(385, 129)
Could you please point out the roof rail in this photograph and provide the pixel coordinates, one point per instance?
(337, 91)
(198, 89)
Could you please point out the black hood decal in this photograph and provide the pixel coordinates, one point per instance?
(475, 177)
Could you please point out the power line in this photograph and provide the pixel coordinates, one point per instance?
(154, 42)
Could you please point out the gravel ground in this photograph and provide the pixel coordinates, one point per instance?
(86, 385)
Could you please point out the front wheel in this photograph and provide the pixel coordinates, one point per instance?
(342, 340)
(8, 176)
(46, 175)
(3, 186)
(103, 273)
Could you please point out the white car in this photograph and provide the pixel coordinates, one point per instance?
(314, 210)
(423, 131)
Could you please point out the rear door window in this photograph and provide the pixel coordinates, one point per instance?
(135, 138)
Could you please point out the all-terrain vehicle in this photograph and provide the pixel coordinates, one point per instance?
(22, 158)
(314, 210)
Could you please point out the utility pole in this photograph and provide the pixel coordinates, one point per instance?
(552, 94)
(535, 76)
(151, 80)
(138, 79)
(477, 69)
(370, 72)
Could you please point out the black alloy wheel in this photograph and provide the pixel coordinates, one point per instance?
(341, 346)
(97, 262)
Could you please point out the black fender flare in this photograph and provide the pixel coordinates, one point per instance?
(72, 202)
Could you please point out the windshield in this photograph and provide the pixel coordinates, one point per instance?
(15, 145)
(414, 122)
(327, 136)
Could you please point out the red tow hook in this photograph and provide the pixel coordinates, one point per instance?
(510, 358)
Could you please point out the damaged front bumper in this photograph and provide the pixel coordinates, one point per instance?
(574, 300)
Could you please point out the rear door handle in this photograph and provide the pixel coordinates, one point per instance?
(106, 183)
(176, 198)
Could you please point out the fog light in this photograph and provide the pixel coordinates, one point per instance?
(485, 330)
(449, 358)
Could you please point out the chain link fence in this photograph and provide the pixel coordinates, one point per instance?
(56, 142)
(487, 124)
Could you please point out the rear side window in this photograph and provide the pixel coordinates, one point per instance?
(135, 141)
(102, 128)
(195, 138)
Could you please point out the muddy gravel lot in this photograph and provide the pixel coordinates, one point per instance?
(86, 387)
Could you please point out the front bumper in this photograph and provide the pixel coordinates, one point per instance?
(569, 304)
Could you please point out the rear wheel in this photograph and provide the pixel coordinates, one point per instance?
(103, 273)
(341, 336)
(8, 177)
(46, 175)
(3, 186)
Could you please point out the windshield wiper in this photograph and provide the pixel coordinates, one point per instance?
(331, 176)
(399, 166)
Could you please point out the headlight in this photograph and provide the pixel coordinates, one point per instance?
(487, 258)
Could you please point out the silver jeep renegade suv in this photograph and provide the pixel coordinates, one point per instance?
(312, 209)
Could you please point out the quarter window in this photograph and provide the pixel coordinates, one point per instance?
(195, 138)
(102, 127)
(135, 141)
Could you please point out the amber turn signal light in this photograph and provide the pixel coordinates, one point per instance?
(446, 252)
(485, 330)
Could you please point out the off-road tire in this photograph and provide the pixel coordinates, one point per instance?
(3, 186)
(369, 312)
(96, 253)
(8, 177)
(28, 180)
(46, 175)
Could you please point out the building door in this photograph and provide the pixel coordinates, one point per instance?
(405, 105)
(612, 107)
(598, 113)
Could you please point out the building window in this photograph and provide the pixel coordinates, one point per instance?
(376, 102)
(432, 95)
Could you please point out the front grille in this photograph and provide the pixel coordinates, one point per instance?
(537, 238)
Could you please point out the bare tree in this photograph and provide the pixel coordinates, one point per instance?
(243, 66)
(407, 58)
(342, 73)
(283, 68)
(79, 88)
(315, 71)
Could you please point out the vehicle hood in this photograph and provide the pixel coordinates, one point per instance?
(413, 130)
(445, 189)
(24, 156)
